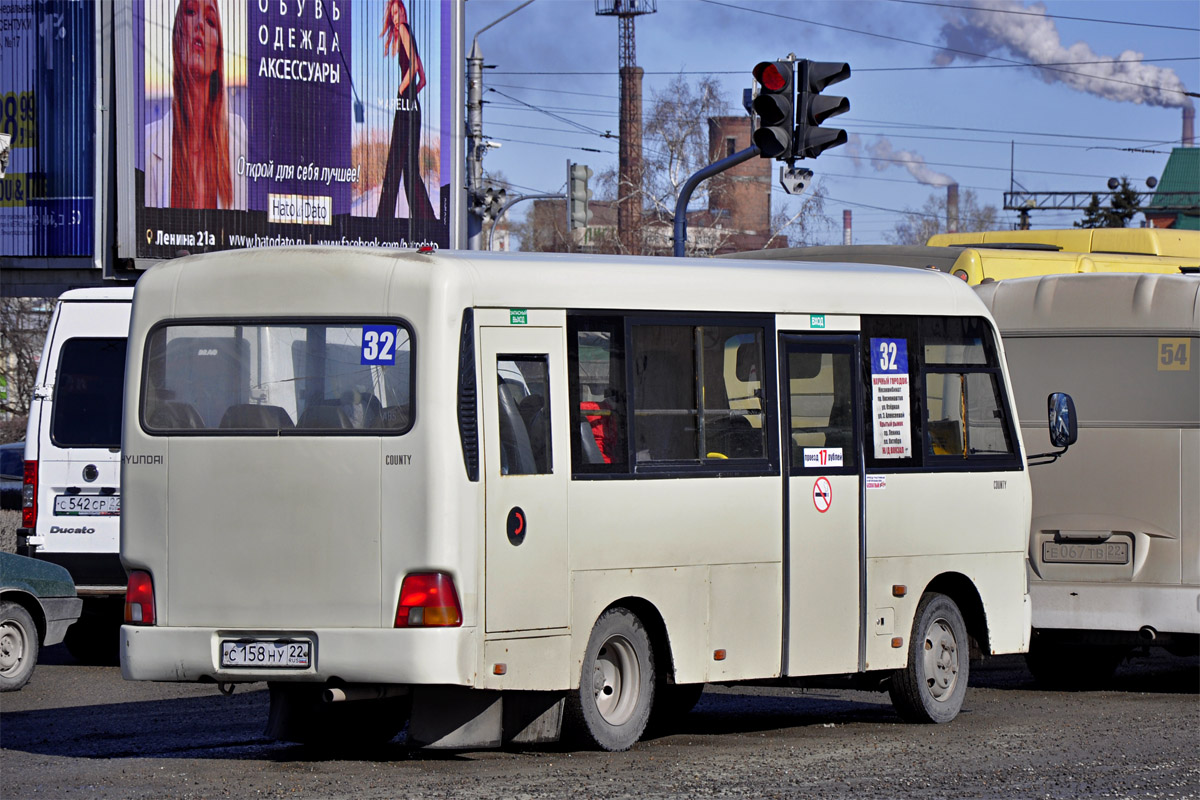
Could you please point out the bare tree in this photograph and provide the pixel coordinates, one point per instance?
(23, 325)
(803, 225)
(915, 227)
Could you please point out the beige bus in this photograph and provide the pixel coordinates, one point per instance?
(500, 497)
(1114, 551)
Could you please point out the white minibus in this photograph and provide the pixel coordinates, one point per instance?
(499, 497)
(71, 497)
(1114, 550)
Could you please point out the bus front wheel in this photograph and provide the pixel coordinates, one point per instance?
(931, 687)
(616, 687)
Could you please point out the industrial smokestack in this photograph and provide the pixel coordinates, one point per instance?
(952, 208)
(847, 237)
(1189, 126)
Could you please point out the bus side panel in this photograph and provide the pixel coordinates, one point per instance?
(999, 579)
(653, 527)
(945, 513)
(680, 595)
(922, 524)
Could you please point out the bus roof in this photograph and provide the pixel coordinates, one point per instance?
(921, 257)
(333, 280)
(1143, 241)
(1095, 303)
(98, 293)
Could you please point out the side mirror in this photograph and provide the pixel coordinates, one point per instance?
(1063, 427)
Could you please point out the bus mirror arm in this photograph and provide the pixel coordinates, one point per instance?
(1064, 428)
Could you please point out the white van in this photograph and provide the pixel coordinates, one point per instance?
(71, 498)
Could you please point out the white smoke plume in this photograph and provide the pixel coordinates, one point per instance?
(883, 156)
(1036, 39)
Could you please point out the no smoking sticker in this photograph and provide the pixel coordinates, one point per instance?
(822, 495)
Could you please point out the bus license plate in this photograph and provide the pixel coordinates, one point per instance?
(87, 505)
(1102, 553)
(285, 654)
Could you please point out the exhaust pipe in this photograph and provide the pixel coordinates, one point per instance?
(365, 691)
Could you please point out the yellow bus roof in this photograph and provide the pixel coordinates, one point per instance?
(1145, 241)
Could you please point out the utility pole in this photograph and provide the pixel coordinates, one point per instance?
(476, 144)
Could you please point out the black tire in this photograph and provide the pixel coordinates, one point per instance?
(1064, 665)
(299, 714)
(931, 688)
(612, 705)
(18, 646)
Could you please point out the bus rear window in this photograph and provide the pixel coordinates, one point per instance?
(87, 393)
(279, 378)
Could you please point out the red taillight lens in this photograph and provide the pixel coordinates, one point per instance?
(428, 600)
(139, 599)
(29, 496)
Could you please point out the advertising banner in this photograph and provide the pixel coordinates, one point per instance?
(276, 122)
(47, 101)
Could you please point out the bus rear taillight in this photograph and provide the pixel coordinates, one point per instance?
(428, 600)
(139, 599)
(29, 497)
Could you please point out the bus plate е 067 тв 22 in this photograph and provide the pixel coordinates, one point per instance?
(269, 654)
(1101, 553)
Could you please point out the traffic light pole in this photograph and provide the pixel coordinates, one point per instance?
(685, 194)
(504, 208)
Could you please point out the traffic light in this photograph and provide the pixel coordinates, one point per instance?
(776, 109)
(578, 194)
(811, 139)
(491, 202)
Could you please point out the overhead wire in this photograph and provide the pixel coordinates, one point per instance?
(938, 47)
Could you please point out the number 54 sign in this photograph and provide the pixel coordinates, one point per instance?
(1174, 354)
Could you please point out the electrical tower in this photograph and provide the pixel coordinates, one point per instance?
(629, 162)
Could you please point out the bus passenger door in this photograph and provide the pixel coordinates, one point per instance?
(526, 465)
(823, 464)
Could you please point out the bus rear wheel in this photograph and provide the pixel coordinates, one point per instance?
(931, 687)
(616, 686)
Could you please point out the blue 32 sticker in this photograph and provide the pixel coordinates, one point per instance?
(379, 344)
(889, 356)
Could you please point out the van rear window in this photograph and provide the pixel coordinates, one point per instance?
(87, 393)
(278, 378)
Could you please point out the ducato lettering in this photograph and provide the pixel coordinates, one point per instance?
(136, 460)
(57, 529)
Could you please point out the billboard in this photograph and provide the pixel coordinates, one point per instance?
(274, 122)
(47, 102)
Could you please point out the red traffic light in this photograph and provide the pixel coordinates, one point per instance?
(769, 75)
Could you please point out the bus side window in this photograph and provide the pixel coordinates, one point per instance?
(523, 385)
(965, 408)
(597, 367)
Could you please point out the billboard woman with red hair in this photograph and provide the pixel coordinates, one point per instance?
(192, 151)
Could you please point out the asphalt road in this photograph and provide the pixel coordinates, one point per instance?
(78, 731)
